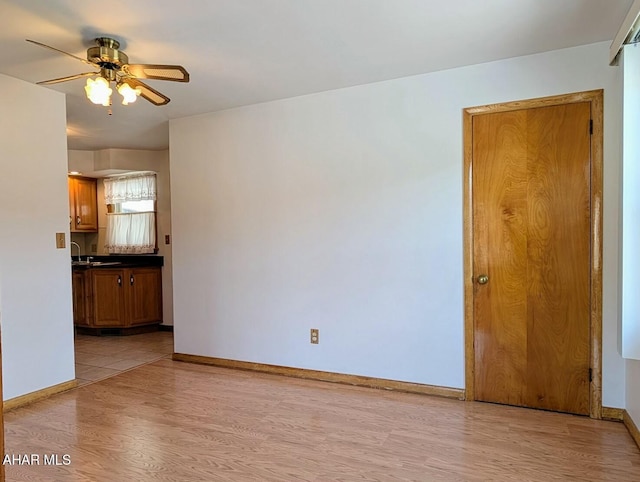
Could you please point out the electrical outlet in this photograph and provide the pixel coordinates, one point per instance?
(315, 336)
(167, 239)
(60, 241)
(94, 248)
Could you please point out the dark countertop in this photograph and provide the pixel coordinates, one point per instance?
(118, 261)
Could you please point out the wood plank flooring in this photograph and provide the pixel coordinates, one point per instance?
(174, 421)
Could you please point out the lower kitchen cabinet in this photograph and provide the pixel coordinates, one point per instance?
(108, 297)
(144, 302)
(120, 297)
(79, 290)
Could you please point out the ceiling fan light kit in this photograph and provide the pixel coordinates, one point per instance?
(98, 91)
(128, 93)
(114, 67)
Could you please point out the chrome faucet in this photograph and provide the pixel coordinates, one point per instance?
(77, 246)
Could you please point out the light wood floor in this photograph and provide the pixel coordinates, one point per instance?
(173, 421)
(99, 357)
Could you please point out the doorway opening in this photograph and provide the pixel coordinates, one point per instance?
(100, 357)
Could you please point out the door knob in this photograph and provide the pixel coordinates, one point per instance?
(483, 279)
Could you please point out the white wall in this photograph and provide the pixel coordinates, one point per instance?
(80, 161)
(37, 324)
(343, 211)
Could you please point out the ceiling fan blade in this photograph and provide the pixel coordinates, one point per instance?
(147, 92)
(60, 51)
(175, 73)
(64, 79)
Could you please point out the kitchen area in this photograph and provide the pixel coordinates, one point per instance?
(119, 295)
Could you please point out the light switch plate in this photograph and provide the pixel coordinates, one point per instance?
(60, 241)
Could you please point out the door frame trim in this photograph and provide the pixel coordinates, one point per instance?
(595, 97)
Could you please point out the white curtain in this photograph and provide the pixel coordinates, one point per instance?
(137, 187)
(131, 232)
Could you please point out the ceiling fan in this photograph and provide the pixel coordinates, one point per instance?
(114, 66)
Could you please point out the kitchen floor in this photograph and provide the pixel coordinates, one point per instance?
(100, 357)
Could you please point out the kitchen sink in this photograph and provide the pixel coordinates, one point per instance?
(92, 264)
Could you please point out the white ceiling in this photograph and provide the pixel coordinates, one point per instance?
(241, 52)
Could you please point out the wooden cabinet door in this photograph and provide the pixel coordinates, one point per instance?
(83, 204)
(144, 300)
(79, 298)
(72, 203)
(86, 205)
(108, 287)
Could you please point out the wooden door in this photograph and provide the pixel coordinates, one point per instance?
(531, 211)
(108, 297)
(1, 418)
(145, 296)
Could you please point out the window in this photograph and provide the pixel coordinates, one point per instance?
(136, 206)
(131, 213)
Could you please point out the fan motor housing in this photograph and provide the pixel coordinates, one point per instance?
(106, 54)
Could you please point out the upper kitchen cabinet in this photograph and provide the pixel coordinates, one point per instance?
(83, 207)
